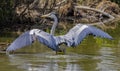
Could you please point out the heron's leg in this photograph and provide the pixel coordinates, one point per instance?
(64, 51)
(56, 52)
(62, 48)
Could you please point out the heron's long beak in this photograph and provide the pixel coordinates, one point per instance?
(44, 16)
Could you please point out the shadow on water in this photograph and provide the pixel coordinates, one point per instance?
(93, 54)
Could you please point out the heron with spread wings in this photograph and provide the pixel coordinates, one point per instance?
(73, 38)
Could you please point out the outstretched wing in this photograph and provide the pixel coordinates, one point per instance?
(46, 39)
(23, 40)
(79, 32)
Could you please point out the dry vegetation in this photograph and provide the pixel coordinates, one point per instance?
(26, 13)
(35, 8)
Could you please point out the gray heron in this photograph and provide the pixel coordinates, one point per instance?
(71, 39)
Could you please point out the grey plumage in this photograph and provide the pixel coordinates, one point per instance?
(72, 38)
(80, 31)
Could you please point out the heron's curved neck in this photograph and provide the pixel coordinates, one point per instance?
(54, 25)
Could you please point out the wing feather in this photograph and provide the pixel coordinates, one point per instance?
(23, 40)
(79, 32)
(72, 38)
(99, 33)
(46, 39)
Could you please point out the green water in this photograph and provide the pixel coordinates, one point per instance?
(93, 54)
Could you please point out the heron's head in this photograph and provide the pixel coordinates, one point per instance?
(51, 15)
